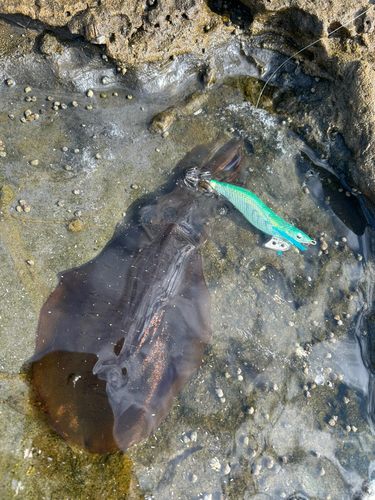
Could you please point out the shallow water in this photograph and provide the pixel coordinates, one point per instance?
(266, 416)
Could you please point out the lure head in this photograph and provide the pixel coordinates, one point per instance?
(294, 236)
(301, 237)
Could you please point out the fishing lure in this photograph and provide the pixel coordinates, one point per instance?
(284, 235)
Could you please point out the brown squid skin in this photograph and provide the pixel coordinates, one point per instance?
(121, 335)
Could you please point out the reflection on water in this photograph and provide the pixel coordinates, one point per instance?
(279, 408)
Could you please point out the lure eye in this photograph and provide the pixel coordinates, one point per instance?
(299, 236)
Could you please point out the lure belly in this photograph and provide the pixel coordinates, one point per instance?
(284, 235)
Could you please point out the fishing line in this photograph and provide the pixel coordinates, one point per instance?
(307, 47)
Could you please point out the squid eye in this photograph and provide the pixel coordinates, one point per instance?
(299, 235)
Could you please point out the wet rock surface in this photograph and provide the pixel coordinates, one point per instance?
(280, 405)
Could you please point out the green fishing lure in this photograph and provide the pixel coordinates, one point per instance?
(284, 235)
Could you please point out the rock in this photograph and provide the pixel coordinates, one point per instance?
(132, 32)
(50, 44)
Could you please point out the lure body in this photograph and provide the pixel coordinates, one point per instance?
(262, 217)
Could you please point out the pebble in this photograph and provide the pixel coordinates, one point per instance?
(270, 463)
(49, 98)
(348, 428)
(89, 107)
(129, 96)
(30, 262)
(68, 167)
(219, 392)
(251, 410)
(27, 90)
(76, 151)
(9, 82)
(123, 71)
(291, 323)
(215, 464)
(256, 469)
(165, 134)
(18, 208)
(3, 154)
(323, 245)
(246, 441)
(186, 439)
(64, 148)
(106, 80)
(346, 400)
(321, 472)
(98, 156)
(240, 378)
(89, 93)
(63, 105)
(76, 191)
(134, 186)
(328, 355)
(34, 162)
(359, 257)
(194, 436)
(60, 204)
(354, 429)
(332, 422)
(194, 478)
(74, 104)
(103, 96)
(227, 469)
(306, 190)
(78, 213)
(26, 208)
(115, 94)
